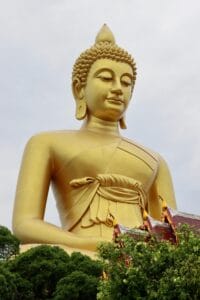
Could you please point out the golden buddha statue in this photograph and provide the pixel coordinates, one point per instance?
(96, 174)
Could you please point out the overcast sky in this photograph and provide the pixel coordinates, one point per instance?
(39, 42)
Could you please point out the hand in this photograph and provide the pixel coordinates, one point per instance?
(92, 243)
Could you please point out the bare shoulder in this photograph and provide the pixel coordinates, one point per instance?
(50, 138)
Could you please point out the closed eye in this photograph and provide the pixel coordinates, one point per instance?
(125, 83)
(104, 78)
(104, 75)
(126, 80)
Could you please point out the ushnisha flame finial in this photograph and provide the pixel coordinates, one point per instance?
(105, 35)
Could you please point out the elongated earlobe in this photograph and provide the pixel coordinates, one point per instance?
(122, 123)
(81, 110)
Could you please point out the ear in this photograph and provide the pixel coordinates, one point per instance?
(77, 89)
(79, 92)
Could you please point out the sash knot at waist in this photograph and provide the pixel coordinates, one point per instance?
(101, 194)
(114, 187)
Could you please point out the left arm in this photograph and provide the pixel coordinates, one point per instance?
(162, 186)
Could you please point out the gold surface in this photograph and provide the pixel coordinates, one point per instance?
(96, 174)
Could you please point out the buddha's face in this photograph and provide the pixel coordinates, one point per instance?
(108, 89)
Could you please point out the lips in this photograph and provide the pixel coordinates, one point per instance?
(115, 100)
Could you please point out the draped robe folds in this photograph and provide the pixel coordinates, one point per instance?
(114, 192)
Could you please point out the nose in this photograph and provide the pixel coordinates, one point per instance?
(117, 88)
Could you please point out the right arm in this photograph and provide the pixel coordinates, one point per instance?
(31, 196)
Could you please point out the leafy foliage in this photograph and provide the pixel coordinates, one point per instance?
(83, 263)
(43, 266)
(50, 270)
(139, 270)
(13, 286)
(77, 285)
(156, 270)
(9, 244)
(8, 288)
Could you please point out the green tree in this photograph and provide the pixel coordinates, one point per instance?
(82, 279)
(77, 285)
(7, 287)
(9, 244)
(43, 267)
(13, 286)
(83, 263)
(153, 270)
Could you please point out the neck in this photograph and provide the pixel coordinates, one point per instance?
(101, 126)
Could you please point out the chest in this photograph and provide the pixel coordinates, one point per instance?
(115, 157)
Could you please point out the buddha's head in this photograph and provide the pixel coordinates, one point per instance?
(103, 80)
